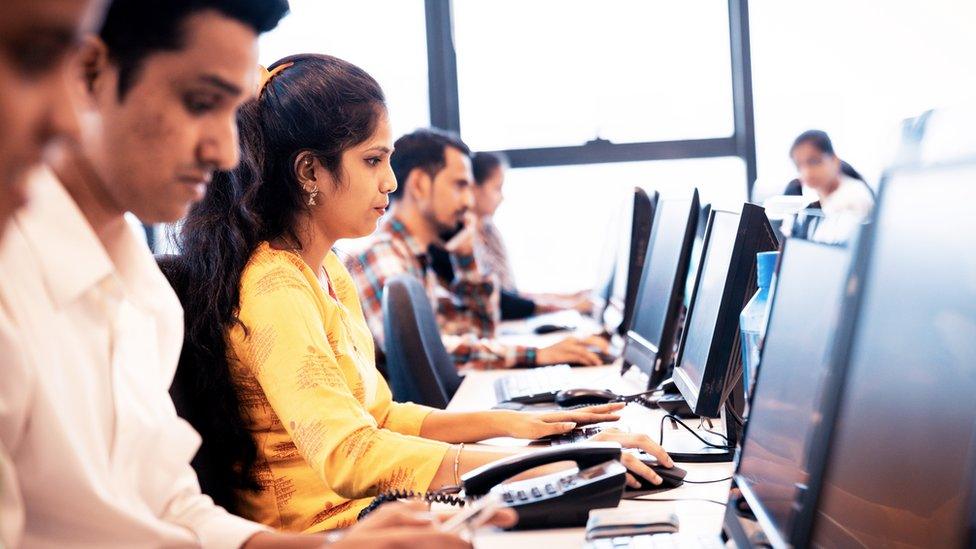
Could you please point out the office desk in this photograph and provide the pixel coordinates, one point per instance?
(477, 393)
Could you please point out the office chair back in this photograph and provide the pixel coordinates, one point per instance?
(192, 406)
(419, 367)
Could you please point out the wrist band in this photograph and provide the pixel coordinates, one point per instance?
(457, 465)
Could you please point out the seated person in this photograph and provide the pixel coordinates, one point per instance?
(839, 187)
(35, 111)
(433, 205)
(491, 254)
(276, 317)
(93, 452)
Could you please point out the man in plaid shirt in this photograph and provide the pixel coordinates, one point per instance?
(432, 205)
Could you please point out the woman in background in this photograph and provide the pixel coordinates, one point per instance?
(492, 255)
(840, 189)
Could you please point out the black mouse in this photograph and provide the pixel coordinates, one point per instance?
(551, 328)
(672, 477)
(574, 397)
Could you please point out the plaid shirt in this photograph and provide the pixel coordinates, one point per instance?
(467, 310)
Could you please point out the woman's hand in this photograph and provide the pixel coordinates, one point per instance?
(632, 462)
(533, 425)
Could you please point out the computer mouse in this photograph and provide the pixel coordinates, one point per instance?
(605, 357)
(574, 397)
(543, 329)
(672, 477)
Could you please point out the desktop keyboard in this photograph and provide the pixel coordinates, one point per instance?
(677, 540)
(534, 386)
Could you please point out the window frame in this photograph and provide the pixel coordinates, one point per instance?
(445, 111)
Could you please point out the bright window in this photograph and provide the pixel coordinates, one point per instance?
(385, 38)
(854, 70)
(556, 221)
(562, 72)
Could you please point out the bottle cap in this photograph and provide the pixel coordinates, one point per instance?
(765, 266)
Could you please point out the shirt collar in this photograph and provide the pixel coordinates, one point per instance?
(398, 230)
(71, 256)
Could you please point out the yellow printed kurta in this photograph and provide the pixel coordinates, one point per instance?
(328, 435)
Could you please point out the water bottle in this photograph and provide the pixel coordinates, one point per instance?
(752, 320)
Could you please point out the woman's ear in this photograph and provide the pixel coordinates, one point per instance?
(305, 168)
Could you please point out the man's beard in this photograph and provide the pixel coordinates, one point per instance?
(446, 233)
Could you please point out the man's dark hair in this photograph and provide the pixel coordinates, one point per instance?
(135, 29)
(422, 149)
(484, 164)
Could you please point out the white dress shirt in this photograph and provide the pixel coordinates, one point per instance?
(101, 458)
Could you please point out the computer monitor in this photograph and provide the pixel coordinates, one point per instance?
(893, 464)
(696, 253)
(640, 235)
(709, 360)
(803, 319)
(630, 262)
(649, 343)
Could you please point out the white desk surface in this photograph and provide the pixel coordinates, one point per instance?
(694, 514)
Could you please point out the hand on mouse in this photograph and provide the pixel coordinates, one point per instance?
(533, 425)
(632, 462)
(573, 350)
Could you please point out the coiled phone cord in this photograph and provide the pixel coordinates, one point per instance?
(443, 495)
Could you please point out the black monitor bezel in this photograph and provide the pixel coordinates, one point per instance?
(765, 523)
(738, 289)
(819, 451)
(637, 252)
(638, 351)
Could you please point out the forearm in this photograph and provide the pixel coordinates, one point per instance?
(471, 457)
(457, 427)
(278, 540)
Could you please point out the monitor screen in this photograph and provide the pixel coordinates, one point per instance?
(802, 321)
(716, 261)
(899, 470)
(657, 302)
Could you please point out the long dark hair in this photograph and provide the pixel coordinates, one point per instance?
(821, 141)
(484, 164)
(321, 105)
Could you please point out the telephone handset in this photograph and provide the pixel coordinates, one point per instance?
(562, 499)
(479, 481)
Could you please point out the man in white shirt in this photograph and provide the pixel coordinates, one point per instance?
(93, 331)
(36, 37)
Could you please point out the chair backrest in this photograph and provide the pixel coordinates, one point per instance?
(194, 407)
(419, 367)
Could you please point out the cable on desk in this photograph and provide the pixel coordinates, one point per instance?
(701, 425)
(716, 502)
(707, 481)
(690, 430)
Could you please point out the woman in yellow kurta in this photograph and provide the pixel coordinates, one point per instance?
(308, 361)
(278, 317)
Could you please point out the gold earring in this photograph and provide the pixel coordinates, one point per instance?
(312, 193)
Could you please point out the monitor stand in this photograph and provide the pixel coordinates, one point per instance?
(684, 447)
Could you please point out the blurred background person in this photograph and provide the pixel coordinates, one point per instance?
(840, 189)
